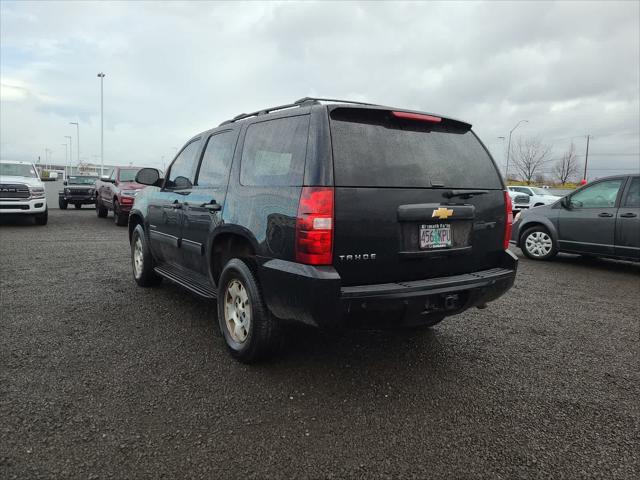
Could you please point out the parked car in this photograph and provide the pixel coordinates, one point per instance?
(519, 201)
(116, 192)
(78, 190)
(324, 213)
(537, 196)
(22, 191)
(600, 219)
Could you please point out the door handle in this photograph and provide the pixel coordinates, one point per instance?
(213, 206)
(628, 215)
(605, 214)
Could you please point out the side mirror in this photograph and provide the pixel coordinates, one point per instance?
(565, 202)
(65, 183)
(148, 176)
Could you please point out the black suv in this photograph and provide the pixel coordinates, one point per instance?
(78, 190)
(325, 212)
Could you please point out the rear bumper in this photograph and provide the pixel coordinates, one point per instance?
(314, 295)
(26, 207)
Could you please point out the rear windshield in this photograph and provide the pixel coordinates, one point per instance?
(373, 149)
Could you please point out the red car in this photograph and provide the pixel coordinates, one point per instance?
(117, 192)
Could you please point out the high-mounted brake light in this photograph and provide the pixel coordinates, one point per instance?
(508, 221)
(314, 226)
(417, 116)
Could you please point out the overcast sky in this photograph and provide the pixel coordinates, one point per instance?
(173, 70)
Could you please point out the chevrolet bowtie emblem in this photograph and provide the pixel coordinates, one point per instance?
(442, 213)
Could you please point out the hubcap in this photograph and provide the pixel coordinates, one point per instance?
(138, 257)
(237, 311)
(538, 244)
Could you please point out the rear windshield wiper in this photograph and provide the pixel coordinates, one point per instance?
(464, 193)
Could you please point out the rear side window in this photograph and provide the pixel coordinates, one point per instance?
(373, 149)
(274, 152)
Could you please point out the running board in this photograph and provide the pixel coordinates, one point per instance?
(187, 281)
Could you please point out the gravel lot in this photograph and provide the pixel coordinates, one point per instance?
(102, 379)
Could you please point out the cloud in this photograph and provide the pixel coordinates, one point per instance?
(174, 69)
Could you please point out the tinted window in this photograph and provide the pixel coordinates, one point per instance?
(183, 168)
(599, 195)
(274, 152)
(632, 199)
(521, 190)
(372, 148)
(218, 153)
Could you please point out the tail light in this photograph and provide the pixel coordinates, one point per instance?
(508, 221)
(314, 226)
(421, 117)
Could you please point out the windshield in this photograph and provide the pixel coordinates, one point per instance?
(370, 149)
(18, 170)
(84, 180)
(540, 191)
(128, 175)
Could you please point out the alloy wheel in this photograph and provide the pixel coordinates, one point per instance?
(237, 311)
(138, 258)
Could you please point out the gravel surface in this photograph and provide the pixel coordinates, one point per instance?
(102, 379)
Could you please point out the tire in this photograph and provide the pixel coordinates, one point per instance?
(62, 204)
(77, 205)
(239, 295)
(42, 218)
(142, 263)
(537, 244)
(101, 211)
(118, 218)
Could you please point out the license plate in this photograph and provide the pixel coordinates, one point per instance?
(436, 235)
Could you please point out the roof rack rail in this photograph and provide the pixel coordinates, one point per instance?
(298, 103)
(264, 111)
(314, 100)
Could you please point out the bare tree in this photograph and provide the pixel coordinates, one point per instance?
(529, 156)
(567, 166)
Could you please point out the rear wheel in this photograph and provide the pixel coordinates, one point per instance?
(78, 206)
(249, 329)
(142, 261)
(537, 244)
(119, 218)
(101, 210)
(62, 204)
(42, 218)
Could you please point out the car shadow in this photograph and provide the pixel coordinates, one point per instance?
(16, 219)
(587, 261)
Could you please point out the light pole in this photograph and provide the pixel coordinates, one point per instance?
(101, 77)
(77, 138)
(70, 151)
(506, 170)
(66, 157)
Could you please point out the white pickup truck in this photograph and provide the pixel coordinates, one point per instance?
(537, 196)
(22, 191)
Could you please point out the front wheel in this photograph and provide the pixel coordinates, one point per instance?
(536, 243)
(249, 329)
(119, 218)
(142, 260)
(101, 211)
(42, 218)
(62, 204)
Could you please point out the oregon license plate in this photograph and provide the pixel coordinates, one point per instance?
(437, 235)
